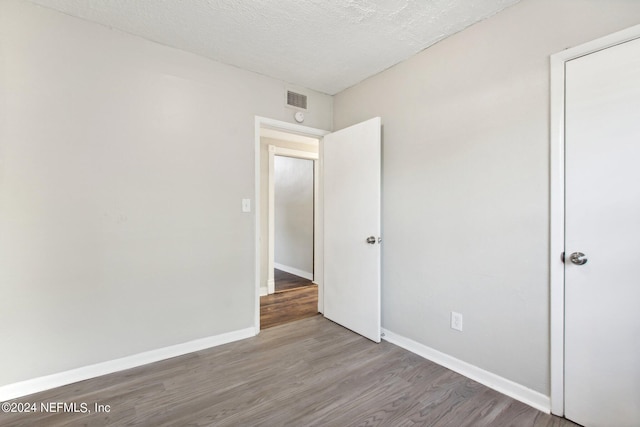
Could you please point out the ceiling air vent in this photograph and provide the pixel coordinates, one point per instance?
(296, 100)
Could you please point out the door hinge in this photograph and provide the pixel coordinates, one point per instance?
(562, 257)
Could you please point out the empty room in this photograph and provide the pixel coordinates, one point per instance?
(469, 251)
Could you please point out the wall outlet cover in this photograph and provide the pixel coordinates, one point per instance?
(456, 321)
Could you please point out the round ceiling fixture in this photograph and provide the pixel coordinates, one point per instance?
(299, 116)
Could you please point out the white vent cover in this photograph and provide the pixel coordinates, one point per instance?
(296, 100)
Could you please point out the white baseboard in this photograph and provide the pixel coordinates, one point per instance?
(517, 391)
(264, 290)
(35, 385)
(292, 270)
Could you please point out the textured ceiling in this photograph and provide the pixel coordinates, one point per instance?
(326, 45)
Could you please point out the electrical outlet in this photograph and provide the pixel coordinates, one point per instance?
(456, 321)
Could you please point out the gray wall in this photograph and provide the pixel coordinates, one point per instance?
(293, 185)
(466, 179)
(122, 168)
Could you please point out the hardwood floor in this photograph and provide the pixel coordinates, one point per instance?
(285, 281)
(288, 306)
(309, 372)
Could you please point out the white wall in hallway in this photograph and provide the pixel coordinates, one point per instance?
(293, 183)
(264, 195)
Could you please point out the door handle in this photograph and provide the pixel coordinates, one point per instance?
(578, 258)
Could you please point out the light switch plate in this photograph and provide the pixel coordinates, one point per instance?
(246, 205)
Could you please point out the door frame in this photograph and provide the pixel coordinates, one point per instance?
(557, 200)
(264, 122)
(274, 150)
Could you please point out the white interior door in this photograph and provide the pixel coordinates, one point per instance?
(602, 296)
(351, 164)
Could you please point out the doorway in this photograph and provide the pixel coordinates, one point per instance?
(289, 252)
(595, 232)
(293, 206)
(292, 197)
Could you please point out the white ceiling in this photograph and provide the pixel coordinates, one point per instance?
(326, 45)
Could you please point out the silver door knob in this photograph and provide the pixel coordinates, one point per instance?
(578, 258)
(371, 240)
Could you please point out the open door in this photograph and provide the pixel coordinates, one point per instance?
(351, 165)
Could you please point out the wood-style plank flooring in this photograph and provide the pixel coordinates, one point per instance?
(288, 306)
(286, 281)
(307, 373)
